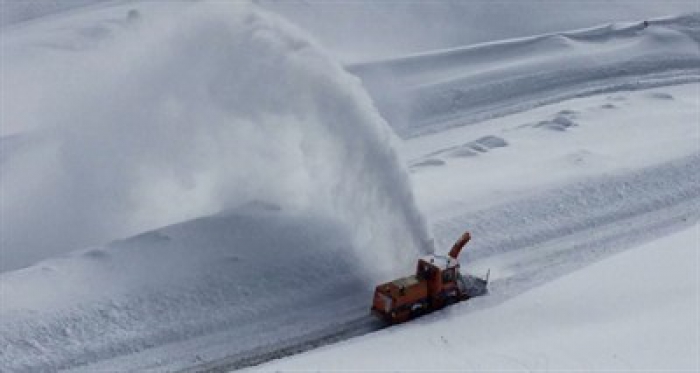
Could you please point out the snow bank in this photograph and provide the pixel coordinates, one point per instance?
(256, 273)
(428, 92)
(358, 30)
(135, 117)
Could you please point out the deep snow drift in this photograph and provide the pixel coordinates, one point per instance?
(612, 179)
(427, 92)
(363, 30)
(130, 118)
(360, 30)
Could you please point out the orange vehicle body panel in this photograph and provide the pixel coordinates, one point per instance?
(400, 299)
(407, 297)
(432, 287)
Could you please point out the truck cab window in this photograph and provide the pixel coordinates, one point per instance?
(448, 275)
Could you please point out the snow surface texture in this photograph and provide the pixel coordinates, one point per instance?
(561, 143)
(233, 271)
(592, 320)
(612, 182)
(357, 30)
(166, 112)
(546, 191)
(362, 30)
(432, 91)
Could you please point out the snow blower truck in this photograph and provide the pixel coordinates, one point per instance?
(436, 284)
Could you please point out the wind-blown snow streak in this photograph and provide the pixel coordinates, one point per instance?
(175, 111)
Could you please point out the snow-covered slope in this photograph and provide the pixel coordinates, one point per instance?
(229, 285)
(495, 160)
(456, 87)
(545, 197)
(635, 311)
(123, 119)
(358, 30)
(129, 118)
(272, 197)
(256, 273)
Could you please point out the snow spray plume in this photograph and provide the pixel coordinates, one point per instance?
(205, 109)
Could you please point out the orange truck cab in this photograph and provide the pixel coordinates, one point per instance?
(437, 283)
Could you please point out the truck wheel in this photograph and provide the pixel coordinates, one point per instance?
(418, 309)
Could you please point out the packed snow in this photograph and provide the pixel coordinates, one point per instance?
(204, 186)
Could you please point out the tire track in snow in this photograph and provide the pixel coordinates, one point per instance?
(610, 214)
(360, 326)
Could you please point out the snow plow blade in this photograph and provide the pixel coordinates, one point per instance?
(474, 286)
